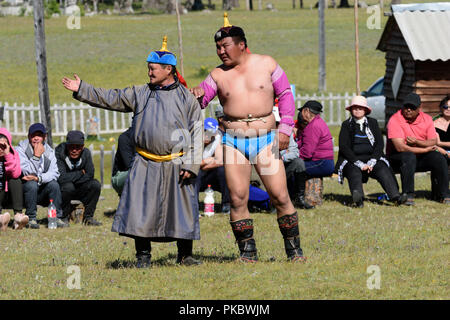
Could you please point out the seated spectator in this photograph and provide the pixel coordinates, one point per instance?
(76, 178)
(219, 116)
(39, 174)
(211, 170)
(314, 140)
(442, 126)
(11, 194)
(295, 170)
(361, 154)
(123, 160)
(412, 148)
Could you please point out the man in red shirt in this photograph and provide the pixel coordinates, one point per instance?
(411, 148)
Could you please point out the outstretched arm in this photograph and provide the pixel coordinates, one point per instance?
(122, 100)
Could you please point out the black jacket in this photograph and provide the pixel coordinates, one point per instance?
(75, 175)
(346, 136)
(126, 151)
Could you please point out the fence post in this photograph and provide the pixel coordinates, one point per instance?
(102, 163)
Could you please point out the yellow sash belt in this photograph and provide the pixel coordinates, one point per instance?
(158, 158)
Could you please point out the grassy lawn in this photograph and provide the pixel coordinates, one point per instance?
(408, 244)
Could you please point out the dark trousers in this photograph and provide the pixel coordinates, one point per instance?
(319, 168)
(143, 246)
(14, 197)
(381, 172)
(296, 177)
(34, 195)
(88, 193)
(216, 178)
(407, 163)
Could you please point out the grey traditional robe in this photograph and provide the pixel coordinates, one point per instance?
(154, 203)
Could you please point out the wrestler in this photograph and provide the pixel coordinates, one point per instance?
(246, 85)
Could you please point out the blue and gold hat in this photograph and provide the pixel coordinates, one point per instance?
(163, 56)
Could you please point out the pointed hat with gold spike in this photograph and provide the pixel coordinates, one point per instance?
(229, 30)
(162, 56)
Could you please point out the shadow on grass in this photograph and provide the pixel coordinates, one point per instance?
(347, 200)
(169, 260)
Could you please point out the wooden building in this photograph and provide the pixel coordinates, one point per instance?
(416, 40)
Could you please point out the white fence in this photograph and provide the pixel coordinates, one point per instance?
(17, 118)
(104, 176)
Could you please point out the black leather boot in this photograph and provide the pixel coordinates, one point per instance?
(243, 232)
(299, 199)
(143, 249)
(185, 257)
(289, 229)
(143, 259)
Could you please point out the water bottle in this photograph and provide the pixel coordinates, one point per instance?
(209, 202)
(51, 215)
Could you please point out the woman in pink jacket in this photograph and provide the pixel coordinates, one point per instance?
(10, 184)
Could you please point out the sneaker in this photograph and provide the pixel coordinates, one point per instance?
(4, 220)
(300, 202)
(446, 200)
(226, 208)
(62, 223)
(409, 201)
(401, 199)
(358, 199)
(91, 222)
(33, 224)
(188, 261)
(20, 221)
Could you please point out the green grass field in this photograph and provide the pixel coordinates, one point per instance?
(408, 244)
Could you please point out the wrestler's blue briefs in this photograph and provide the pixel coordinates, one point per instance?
(250, 147)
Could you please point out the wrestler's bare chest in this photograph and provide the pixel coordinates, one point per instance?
(245, 91)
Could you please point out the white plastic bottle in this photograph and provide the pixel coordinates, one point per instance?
(209, 202)
(51, 215)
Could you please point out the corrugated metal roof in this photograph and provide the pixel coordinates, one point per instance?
(426, 29)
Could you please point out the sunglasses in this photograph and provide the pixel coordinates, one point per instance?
(445, 107)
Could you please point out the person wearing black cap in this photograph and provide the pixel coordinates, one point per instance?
(39, 174)
(315, 145)
(411, 148)
(76, 177)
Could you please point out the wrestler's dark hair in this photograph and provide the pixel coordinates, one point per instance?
(444, 101)
(237, 39)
